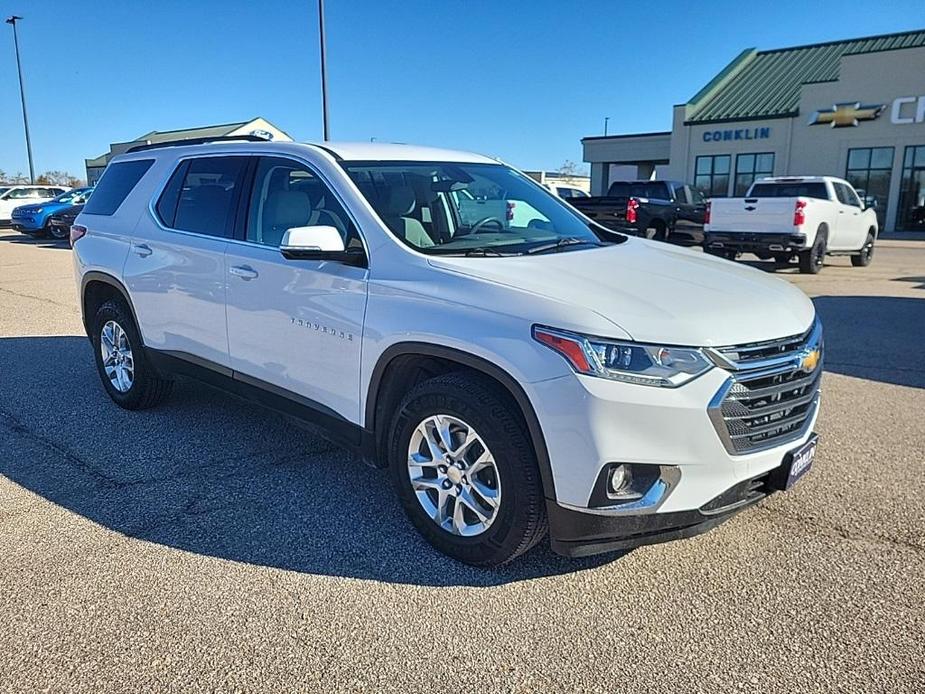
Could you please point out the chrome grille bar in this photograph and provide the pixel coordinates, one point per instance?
(772, 393)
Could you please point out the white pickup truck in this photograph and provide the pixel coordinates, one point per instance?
(806, 217)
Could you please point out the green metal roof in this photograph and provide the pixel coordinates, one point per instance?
(766, 84)
(158, 136)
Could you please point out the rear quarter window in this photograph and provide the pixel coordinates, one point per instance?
(810, 189)
(117, 182)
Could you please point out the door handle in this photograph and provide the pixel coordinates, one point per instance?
(142, 249)
(245, 272)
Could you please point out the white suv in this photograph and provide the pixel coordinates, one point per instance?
(12, 197)
(513, 375)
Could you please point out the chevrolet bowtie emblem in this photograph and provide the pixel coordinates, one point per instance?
(845, 115)
(810, 361)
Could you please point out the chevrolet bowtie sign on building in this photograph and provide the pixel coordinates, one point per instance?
(846, 115)
(905, 111)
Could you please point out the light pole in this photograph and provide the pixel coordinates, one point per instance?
(606, 121)
(324, 71)
(22, 96)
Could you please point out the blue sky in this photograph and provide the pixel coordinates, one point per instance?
(516, 79)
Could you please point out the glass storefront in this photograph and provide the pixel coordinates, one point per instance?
(869, 170)
(750, 167)
(911, 214)
(711, 175)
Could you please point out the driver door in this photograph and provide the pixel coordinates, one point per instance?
(295, 325)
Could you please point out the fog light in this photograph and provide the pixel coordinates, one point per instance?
(620, 482)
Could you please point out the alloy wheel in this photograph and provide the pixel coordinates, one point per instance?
(118, 361)
(453, 475)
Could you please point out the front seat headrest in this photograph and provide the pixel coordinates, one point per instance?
(287, 208)
(401, 201)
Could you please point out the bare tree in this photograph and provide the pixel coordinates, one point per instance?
(570, 169)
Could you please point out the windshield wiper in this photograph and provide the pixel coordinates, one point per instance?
(483, 251)
(563, 243)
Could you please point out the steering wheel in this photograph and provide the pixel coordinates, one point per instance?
(477, 227)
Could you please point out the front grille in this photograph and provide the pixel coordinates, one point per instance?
(772, 393)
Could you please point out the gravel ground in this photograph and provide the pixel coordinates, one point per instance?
(209, 545)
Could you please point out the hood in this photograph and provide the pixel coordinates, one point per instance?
(69, 211)
(655, 292)
(47, 206)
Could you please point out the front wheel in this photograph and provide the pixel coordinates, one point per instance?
(465, 470)
(863, 258)
(56, 232)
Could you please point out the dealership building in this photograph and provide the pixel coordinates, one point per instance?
(853, 109)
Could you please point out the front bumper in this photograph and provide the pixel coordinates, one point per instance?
(579, 534)
(590, 423)
(25, 225)
(751, 242)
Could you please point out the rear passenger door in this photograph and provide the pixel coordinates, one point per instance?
(295, 325)
(175, 271)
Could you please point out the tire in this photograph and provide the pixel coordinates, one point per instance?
(52, 231)
(113, 326)
(812, 260)
(486, 411)
(782, 258)
(863, 258)
(660, 232)
(721, 253)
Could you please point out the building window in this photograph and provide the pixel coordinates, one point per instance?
(750, 167)
(911, 214)
(712, 175)
(869, 170)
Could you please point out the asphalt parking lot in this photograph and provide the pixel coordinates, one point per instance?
(209, 544)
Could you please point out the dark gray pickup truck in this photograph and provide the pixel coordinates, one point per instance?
(663, 210)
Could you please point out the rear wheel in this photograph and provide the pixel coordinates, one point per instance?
(811, 260)
(465, 470)
(721, 253)
(128, 377)
(863, 258)
(659, 231)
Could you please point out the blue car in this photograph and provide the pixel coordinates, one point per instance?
(34, 219)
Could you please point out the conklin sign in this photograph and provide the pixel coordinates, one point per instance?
(737, 134)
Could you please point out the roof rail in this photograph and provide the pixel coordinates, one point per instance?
(197, 141)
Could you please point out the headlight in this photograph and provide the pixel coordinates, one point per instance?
(630, 362)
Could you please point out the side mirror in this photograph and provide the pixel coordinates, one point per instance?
(318, 243)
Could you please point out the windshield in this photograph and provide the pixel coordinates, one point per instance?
(470, 209)
(74, 196)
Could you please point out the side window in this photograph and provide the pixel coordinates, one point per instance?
(288, 194)
(845, 196)
(201, 195)
(680, 195)
(117, 182)
(564, 192)
(20, 194)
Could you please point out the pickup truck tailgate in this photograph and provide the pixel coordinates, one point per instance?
(759, 215)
